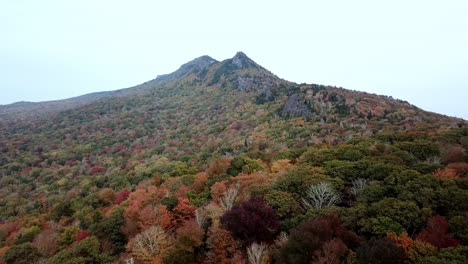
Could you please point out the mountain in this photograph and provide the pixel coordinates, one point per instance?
(94, 176)
(195, 68)
(204, 84)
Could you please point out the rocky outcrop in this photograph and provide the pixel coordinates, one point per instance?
(241, 61)
(294, 107)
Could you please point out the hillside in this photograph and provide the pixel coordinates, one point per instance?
(189, 156)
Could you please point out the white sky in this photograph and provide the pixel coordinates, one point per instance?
(412, 50)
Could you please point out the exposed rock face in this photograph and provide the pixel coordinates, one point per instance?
(241, 61)
(294, 107)
(244, 83)
(243, 74)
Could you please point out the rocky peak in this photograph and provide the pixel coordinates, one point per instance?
(241, 61)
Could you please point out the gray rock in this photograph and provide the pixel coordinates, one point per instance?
(294, 107)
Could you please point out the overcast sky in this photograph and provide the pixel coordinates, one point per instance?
(412, 50)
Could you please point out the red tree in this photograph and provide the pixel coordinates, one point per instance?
(222, 247)
(252, 221)
(217, 190)
(143, 217)
(183, 211)
(121, 196)
(435, 233)
(320, 239)
(381, 251)
(189, 236)
(200, 181)
(460, 167)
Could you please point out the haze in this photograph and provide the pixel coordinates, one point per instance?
(412, 50)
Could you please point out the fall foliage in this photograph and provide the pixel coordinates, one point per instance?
(234, 165)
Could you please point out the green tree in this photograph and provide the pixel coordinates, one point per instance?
(459, 225)
(111, 229)
(62, 209)
(177, 256)
(22, 254)
(86, 251)
(243, 164)
(67, 236)
(298, 179)
(421, 149)
(284, 203)
(343, 169)
(387, 215)
(28, 235)
(454, 255)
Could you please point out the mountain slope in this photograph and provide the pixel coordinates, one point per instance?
(116, 165)
(204, 110)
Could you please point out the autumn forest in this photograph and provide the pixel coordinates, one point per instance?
(223, 162)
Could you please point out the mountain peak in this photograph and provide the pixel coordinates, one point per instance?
(242, 61)
(240, 54)
(201, 62)
(195, 65)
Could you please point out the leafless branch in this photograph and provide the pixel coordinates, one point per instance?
(320, 195)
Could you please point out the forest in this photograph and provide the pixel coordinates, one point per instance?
(229, 164)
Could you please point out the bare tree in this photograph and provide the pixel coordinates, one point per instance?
(284, 236)
(150, 243)
(358, 185)
(256, 253)
(230, 196)
(320, 195)
(201, 215)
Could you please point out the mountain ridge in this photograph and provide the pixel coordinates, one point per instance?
(239, 71)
